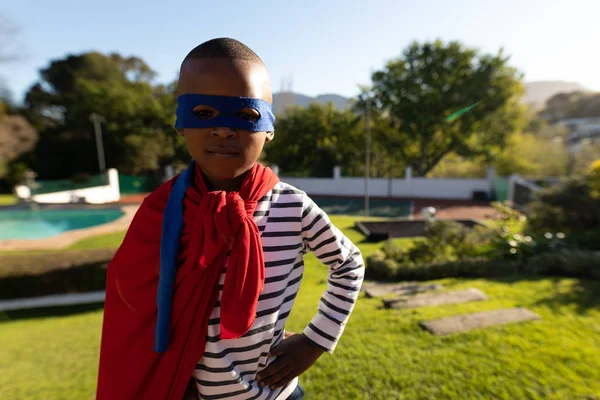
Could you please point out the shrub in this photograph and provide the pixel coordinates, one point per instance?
(81, 177)
(520, 246)
(479, 267)
(567, 207)
(444, 241)
(588, 240)
(53, 273)
(381, 267)
(579, 263)
(594, 177)
(510, 218)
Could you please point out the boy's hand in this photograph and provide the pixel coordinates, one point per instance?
(295, 354)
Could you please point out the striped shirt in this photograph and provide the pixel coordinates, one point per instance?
(291, 225)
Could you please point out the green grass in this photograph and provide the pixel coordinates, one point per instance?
(382, 355)
(7, 200)
(107, 241)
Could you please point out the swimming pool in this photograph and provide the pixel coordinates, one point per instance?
(34, 224)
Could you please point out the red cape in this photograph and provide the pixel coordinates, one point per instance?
(129, 366)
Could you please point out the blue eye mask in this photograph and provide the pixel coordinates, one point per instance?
(228, 108)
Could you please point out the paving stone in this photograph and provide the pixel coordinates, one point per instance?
(436, 299)
(466, 322)
(398, 289)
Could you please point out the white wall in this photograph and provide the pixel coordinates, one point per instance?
(407, 187)
(94, 195)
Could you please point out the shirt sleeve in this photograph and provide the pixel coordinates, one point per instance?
(345, 276)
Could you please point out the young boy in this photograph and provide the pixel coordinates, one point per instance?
(206, 277)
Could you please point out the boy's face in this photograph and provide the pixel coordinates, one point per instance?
(223, 152)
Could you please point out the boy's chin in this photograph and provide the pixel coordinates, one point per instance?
(222, 173)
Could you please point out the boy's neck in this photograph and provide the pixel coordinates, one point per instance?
(228, 185)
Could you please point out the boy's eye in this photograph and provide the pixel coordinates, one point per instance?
(204, 113)
(248, 114)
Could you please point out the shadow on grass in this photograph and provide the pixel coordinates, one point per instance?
(583, 294)
(49, 312)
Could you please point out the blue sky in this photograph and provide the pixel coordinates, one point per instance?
(326, 46)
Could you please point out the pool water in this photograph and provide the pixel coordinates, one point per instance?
(33, 224)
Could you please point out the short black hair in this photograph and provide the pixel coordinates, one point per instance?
(223, 48)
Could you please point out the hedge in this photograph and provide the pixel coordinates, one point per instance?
(53, 273)
(579, 264)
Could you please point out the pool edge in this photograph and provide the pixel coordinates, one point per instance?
(68, 238)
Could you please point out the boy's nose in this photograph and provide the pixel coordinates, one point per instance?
(224, 132)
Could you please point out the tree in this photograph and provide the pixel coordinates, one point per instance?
(17, 137)
(431, 81)
(138, 134)
(533, 156)
(311, 141)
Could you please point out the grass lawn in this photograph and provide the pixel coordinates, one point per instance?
(7, 199)
(106, 241)
(52, 354)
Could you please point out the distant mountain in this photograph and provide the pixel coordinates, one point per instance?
(537, 93)
(283, 100)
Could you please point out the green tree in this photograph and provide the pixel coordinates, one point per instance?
(420, 90)
(311, 141)
(138, 134)
(17, 136)
(533, 156)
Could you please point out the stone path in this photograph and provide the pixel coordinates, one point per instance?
(411, 296)
(463, 323)
(52, 301)
(399, 289)
(436, 299)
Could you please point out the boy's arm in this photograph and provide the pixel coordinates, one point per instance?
(345, 277)
(296, 353)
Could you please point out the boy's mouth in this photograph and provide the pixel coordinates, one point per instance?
(224, 152)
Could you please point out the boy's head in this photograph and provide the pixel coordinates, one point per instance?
(224, 107)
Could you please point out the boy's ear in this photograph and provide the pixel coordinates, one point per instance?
(180, 131)
(270, 136)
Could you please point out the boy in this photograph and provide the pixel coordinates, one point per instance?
(208, 272)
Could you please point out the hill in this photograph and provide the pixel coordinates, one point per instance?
(282, 100)
(537, 93)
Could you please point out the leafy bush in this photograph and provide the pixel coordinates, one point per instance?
(53, 273)
(478, 267)
(81, 177)
(444, 241)
(587, 240)
(382, 267)
(594, 177)
(452, 250)
(580, 264)
(570, 206)
(519, 246)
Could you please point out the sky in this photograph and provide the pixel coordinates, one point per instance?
(324, 46)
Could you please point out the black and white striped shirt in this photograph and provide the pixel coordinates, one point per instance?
(291, 225)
